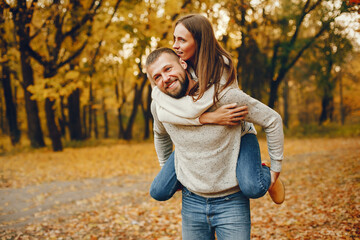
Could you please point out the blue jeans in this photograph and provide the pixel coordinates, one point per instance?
(253, 178)
(228, 217)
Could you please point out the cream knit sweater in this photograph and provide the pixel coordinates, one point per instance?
(206, 155)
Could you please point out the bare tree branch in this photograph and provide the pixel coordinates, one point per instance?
(39, 29)
(102, 39)
(40, 59)
(305, 11)
(88, 16)
(74, 55)
(308, 44)
(274, 59)
(313, 6)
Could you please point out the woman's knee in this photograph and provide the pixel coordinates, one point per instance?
(158, 195)
(253, 190)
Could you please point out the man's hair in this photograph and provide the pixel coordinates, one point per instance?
(154, 55)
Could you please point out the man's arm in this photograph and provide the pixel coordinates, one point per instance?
(162, 141)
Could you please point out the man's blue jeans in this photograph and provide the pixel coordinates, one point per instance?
(228, 217)
(253, 178)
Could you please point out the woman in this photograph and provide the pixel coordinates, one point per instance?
(195, 43)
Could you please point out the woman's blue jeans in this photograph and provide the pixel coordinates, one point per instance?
(254, 179)
(228, 217)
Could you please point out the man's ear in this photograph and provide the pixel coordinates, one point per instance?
(183, 63)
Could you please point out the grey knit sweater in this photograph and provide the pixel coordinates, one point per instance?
(206, 155)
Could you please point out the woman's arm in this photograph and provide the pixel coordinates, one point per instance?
(228, 114)
(225, 115)
(266, 117)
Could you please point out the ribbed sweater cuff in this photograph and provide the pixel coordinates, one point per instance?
(276, 165)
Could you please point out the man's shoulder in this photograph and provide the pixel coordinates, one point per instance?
(153, 108)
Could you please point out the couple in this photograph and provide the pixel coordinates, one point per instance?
(199, 114)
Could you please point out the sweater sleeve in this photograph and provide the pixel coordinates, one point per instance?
(267, 118)
(162, 141)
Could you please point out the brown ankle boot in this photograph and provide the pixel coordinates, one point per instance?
(277, 192)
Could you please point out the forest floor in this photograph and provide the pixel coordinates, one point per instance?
(102, 193)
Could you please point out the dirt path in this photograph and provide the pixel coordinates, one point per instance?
(30, 204)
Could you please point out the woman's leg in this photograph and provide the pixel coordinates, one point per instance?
(254, 178)
(165, 183)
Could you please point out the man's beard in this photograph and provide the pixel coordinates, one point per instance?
(184, 86)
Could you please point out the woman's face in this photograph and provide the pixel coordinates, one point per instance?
(184, 43)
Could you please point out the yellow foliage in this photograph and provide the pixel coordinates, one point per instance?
(72, 75)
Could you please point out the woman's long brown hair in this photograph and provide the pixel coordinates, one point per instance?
(209, 64)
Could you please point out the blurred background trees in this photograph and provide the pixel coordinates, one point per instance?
(73, 70)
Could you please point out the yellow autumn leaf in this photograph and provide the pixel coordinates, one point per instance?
(72, 74)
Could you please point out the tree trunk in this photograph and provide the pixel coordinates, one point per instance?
(10, 106)
(84, 117)
(286, 102)
(342, 110)
(106, 121)
(327, 102)
(90, 107)
(136, 102)
(121, 130)
(325, 109)
(32, 111)
(96, 131)
(2, 117)
(147, 114)
(274, 86)
(11, 114)
(130, 123)
(54, 132)
(119, 117)
(74, 124)
(62, 120)
(21, 19)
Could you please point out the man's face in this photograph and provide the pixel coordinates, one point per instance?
(169, 75)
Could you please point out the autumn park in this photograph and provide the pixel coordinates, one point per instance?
(77, 154)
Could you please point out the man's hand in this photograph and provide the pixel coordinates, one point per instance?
(228, 114)
(274, 177)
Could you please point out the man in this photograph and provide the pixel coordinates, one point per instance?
(205, 156)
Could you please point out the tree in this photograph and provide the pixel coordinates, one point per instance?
(22, 16)
(334, 50)
(280, 34)
(146, 109)
(287, 53)
(11, 114)
(54, 59)
(92, 111)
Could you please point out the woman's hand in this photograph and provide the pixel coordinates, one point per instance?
(228, 114)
